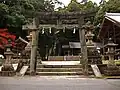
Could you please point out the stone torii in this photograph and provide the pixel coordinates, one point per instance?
(57, 19)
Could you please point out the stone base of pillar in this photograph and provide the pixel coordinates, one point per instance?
(7, 67)
(85, 72)
(33, 73)
(7, 73)
(94, 57)
(7, 70)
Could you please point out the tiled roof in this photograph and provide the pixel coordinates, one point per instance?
(114, 17)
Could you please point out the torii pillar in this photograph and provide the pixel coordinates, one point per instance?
(84, 60)
(33, 58)
(32, 27)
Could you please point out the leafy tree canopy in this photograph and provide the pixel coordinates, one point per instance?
(15, 13)
(74, 6)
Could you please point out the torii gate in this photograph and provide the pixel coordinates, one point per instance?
(58, 21)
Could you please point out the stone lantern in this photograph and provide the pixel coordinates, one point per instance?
(93, 55)
(112, 69)
(111, 51)
(89, 36)
(7, 66)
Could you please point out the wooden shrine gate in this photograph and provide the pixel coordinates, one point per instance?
(59, 21)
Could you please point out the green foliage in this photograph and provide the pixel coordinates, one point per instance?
(74, 6)
(12, 12)
(15, 13)
(4, 10)
(37, 4)
(90, 6)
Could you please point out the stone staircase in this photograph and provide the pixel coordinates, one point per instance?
(59, 68)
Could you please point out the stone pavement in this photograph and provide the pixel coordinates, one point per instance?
(57, 83)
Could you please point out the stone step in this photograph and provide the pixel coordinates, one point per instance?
(61, 62)
(59, 66)
(58, 69)
(59, 73)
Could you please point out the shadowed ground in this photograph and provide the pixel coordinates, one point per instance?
(57, 83)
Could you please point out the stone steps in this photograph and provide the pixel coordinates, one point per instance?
(56, 73)
(58, 69)
(59, 66)
(59, 73)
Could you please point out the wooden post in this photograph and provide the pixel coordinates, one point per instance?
(84, 60)
(33, 52)
(103, 42)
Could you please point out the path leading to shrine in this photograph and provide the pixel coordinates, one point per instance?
(57, 83)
